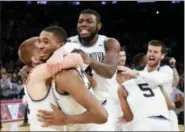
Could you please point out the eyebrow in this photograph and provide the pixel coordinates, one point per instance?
(45, 39)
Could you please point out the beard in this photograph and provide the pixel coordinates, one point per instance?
(156, 63)
(90, 37)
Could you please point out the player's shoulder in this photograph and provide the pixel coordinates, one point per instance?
(129, 83)
(73, 39)
(165, 67)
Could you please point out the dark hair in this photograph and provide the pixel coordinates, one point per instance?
(123, 48)
(93, 12)
(158, 43)
(58, 31)
(137, 59)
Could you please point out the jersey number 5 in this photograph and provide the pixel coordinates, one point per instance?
(145, 88)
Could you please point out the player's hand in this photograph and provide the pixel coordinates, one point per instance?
(24, 73)
(86, 59)
(56, 117)
(126, 71)
(122, 119)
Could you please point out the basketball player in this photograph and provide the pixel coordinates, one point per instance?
(76, 107)
(146, 108)
(103, 52)
(156, 74)
(37, 80)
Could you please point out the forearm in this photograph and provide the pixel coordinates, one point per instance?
(72, 60)
(102, 69)
(40, 73)
(169, 101)
(84, 118)
(176, 77)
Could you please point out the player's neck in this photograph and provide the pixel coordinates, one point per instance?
(150, 69)
(90, 42)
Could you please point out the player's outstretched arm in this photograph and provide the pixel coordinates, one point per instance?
(154, 79)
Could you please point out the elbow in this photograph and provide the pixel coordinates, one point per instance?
(129, 118)
(101, 116)
(104, 118)
(110, 74)
(171, 106)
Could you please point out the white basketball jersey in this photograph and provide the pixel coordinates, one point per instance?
(69, 106)
(43, 104)
(144, 101)
(97, 52)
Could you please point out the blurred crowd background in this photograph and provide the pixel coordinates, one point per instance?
(134, 24)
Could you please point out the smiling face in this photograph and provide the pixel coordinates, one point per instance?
(154, 55)
(88, 26)
(48, 43)
(122, 58)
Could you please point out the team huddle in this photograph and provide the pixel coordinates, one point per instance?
(81, 83)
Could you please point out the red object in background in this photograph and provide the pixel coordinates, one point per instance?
(12, 110)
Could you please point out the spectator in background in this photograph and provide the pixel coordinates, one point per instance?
(14, 78)
(139, 60)
(5, 85)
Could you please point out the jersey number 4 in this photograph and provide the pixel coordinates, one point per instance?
(145, 88)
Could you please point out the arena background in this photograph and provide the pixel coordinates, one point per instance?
(134, 24)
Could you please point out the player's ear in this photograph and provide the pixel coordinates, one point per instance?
(162, 56)
(99, 26)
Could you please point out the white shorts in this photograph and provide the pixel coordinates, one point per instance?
(173, 121)
(110, 124)
(150, 124)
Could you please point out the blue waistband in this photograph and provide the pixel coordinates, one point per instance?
(158, 117)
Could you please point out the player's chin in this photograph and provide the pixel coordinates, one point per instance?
(85, 37)
(45, 57)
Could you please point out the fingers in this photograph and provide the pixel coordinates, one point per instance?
(121, 68)
(47, 123)
(45, 112)
(44, 118)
